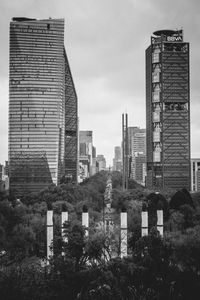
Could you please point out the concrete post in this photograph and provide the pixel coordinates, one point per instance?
(49, 234)
(144, 216)
(85, 219)
(123, 225)
(64, 218)
(160, 221)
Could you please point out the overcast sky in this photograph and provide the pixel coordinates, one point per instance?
(105, 42)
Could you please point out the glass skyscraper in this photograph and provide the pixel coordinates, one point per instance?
(168, 111)
(42, 106)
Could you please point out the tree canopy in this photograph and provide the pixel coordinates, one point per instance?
(156, 267)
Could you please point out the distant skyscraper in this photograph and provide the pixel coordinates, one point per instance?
(42, 106)
(125, 152)
(168, 111)
(4, 180)
(6, 168)
(195, 174)
(137, 153)
(86, 142)
(94, 168)
(136, 140)
(2, 172)
(102, 162)
(117, 161)
(118, 153)
(138, 168)
(85, 154)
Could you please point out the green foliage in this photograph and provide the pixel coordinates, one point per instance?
(187, 248)
(175, 222)
(116, 180)
(180, 198)
(154, 202)
(156, 268)
(196, 199)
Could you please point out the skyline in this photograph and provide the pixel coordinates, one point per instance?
(106, 45)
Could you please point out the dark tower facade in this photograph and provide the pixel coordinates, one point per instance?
(125, 154)
(168, 111)
(71, 127)
(42, 106)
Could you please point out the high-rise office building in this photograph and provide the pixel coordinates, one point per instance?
(6, 168)
(137, 153)
(85, 154)
(138, 168)
(117, 160)
(136, 140)
(125, 152)
(42, 106)
(168, 111)
(195, 174)
(101, 162)
(118, 153)
(4, 180)
(2, 172)
(85, 142)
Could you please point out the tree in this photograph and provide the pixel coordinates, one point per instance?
(154, 202)
(180, 198)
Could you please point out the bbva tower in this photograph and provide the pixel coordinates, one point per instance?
(42, 106)
(168, 111)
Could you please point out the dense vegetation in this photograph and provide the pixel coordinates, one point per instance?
(156, 267)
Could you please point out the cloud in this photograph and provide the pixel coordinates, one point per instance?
(105, 43)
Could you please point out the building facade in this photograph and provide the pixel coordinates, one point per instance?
(4, 180)
(42, 106)
(136, 140)
(138, 168)
(2, 172)
(117, 160)
(137, 153)
(6, 168)
(195, 174)
(85, 154)
(94, 168)
(101, 162)
(168, 111)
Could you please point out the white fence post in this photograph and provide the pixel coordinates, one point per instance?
(160, 221)
(144, 216)
(64, 218)
(49, 234)
(85, 219)
(123, 225)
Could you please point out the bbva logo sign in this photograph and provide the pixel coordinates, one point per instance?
(174, 38)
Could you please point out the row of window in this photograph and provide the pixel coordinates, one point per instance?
(40, 128)
(38, 30)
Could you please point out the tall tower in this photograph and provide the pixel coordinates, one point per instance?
(125, 154)
(42, 106)
(136, 140)
(137, 153)
(71, 164)
(85, 153)
(117, 160)
(168, 111)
